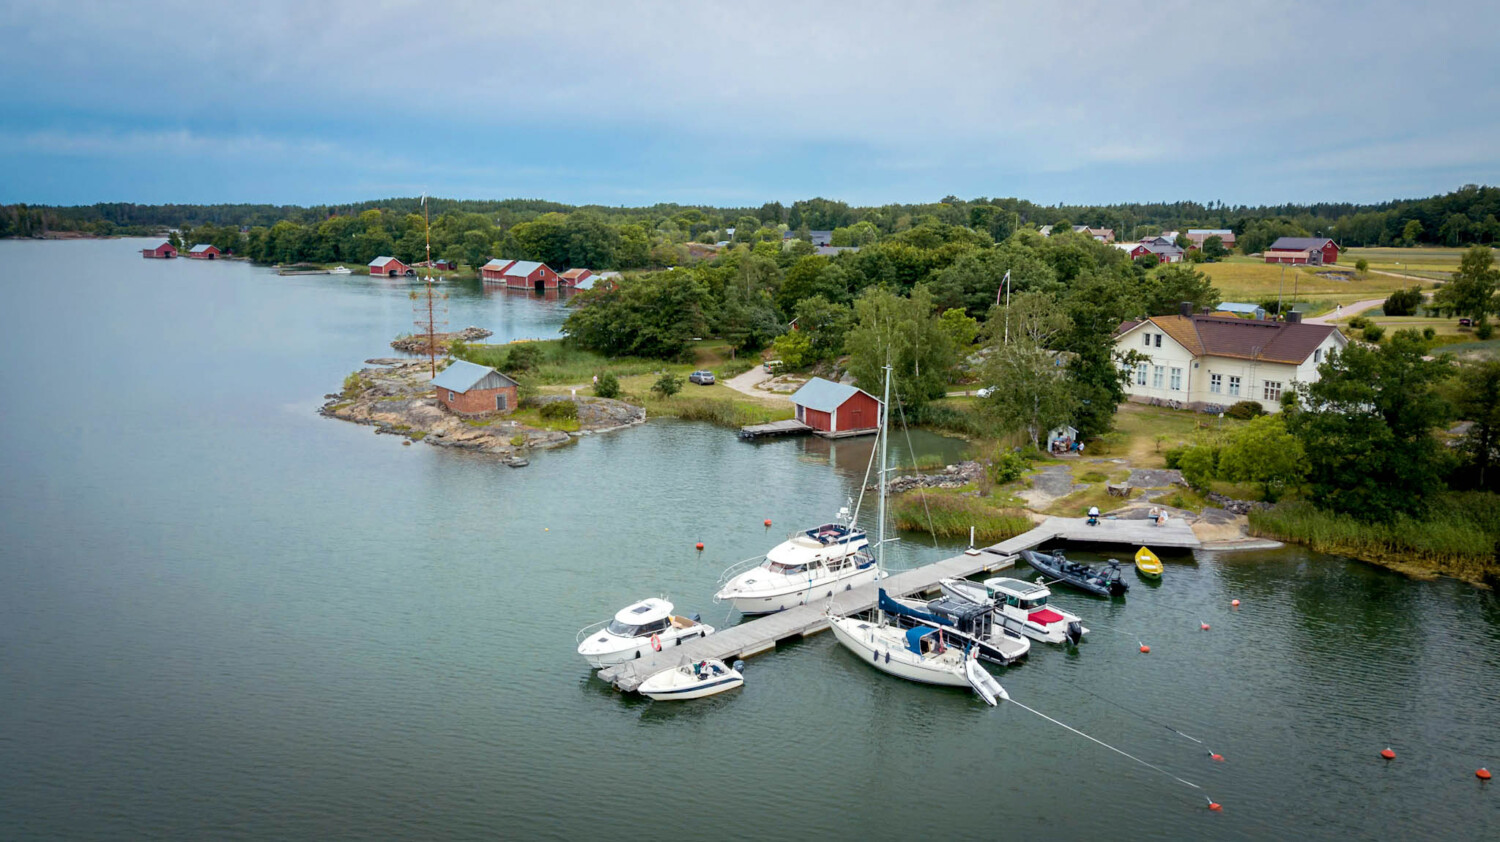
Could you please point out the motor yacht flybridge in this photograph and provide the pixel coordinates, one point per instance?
(811, 565)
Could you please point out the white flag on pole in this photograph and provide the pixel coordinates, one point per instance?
(1004, 286)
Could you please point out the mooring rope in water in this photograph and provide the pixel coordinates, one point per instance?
(1114, 703)
(1106, 745)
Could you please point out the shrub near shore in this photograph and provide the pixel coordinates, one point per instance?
(1458, 539)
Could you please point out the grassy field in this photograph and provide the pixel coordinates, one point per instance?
(1424, 261)
(1147, 432)
(1249, 279)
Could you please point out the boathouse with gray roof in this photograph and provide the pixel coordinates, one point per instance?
(835, 410)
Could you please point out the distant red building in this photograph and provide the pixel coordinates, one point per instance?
(520, 274)
(203, 251)
(163, 250)
(1321, 250)
(390, 267)
(573, 278)
(836, 409)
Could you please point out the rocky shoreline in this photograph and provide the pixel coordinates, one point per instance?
(394, 397)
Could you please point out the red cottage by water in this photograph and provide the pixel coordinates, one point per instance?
(390, 267)
(162, 250)
(835, 410)
(203, 251)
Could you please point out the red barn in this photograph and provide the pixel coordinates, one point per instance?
(470, 389)
(527, 274)
(390, 267)
(1293, 256)
(162, 250)
(203, 251)
(573, 278)
(835, 410)
(1323, 251)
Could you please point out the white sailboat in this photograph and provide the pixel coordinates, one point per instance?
(925, 654)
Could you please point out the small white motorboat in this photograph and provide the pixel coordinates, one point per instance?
(648, 625)
(339, 270)
(1020, 606)
(693, 681)
(811, 565)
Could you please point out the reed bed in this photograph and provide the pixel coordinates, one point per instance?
(1456, 539)
(951, 516)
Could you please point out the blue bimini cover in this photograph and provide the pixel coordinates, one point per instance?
(891, 606)
(914, 637)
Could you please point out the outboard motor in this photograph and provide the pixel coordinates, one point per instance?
(738, 666)
(695, 617)
(1075, 632)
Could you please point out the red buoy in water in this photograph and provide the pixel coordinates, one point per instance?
(1145, 649)
(768, 521)
(1483, 774)
(1235, 603)
(700, 546)
(1217, 758)
(1388, 754)
(1215, 806)
(1204, 626)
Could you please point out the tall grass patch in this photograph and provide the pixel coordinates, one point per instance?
(952, 515)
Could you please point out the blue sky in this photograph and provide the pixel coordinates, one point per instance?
(629, 103)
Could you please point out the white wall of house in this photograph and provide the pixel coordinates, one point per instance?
(1174, 374)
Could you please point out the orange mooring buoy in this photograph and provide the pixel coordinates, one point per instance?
(1388, 754)
(1215, 806)
(1217, 758)
(1235, 603)
(1483, 774)
(768, 521)
(1145, 649)
(700, 546)
(1204, 626)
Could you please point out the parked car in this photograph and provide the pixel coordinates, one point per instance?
(986, 391)
(772, 366)
(1465, 322)
(702, 377)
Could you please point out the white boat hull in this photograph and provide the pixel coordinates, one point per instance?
(680, 683)
(977, 593)
(884, 648)
(618, 650)
(751, 603)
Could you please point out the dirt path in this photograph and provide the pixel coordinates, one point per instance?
(745, 384)
(1349, 311)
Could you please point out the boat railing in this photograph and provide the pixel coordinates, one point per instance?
(734, 570)
(588, 630)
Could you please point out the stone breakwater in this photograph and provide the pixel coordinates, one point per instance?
(394, 397)
(417, 343)
(953, 476)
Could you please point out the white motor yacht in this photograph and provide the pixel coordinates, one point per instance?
(1020, 606)
(646, 625)
(810, 565)
(339, 270)
(692, 681)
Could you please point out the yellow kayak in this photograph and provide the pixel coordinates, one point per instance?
(1147, 564)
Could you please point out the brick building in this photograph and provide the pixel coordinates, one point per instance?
(470, 389)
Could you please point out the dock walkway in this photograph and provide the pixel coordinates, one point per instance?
(789, 427)
(763, 633)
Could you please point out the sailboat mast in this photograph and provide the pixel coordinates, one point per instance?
(885, 434)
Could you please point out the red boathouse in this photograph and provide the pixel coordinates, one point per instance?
(835, 410)
(203, 251)
(162, 250)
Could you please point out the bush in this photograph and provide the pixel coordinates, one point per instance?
(1403, 302)
(1007, 467)
(1107, 443)
(1362, 266)
(1358, 322)
(667, 385)
(558, 410)
(1428, 333)
(1174, 457)
(1484, 330)
(608, 386)
(1245, 410)
(1373, 332)
(1198, 466)
(525, 357)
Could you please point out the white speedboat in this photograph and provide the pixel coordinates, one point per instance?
(646, 625)
(1020, 606)
(810, 565)
(339, 270)
(972, 625)
(692, 681)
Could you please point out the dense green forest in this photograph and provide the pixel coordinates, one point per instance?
(657, 236)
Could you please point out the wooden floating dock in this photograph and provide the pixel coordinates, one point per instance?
(763, 633)
(789, 427)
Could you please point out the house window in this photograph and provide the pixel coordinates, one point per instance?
(452, 397)
(1317, 355)
(1156, 376)
(501, 402)
(1216, 383)
(1140, 374)
(1147, 337)
(1273, 390)
(1176, 379)
(1234, 385)
(1158, 340)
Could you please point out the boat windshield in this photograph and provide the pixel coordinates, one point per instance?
(788, 569)
(620, 629)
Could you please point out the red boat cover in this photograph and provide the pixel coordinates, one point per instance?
(1045, 616)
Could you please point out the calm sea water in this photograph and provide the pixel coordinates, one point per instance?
(224, 616)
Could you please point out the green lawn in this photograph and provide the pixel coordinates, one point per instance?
(1251, 280)
(1423, 261)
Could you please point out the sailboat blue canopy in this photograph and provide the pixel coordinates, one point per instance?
(914, 637)
(891, 606)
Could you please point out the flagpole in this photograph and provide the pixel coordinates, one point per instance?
(1006, 283)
